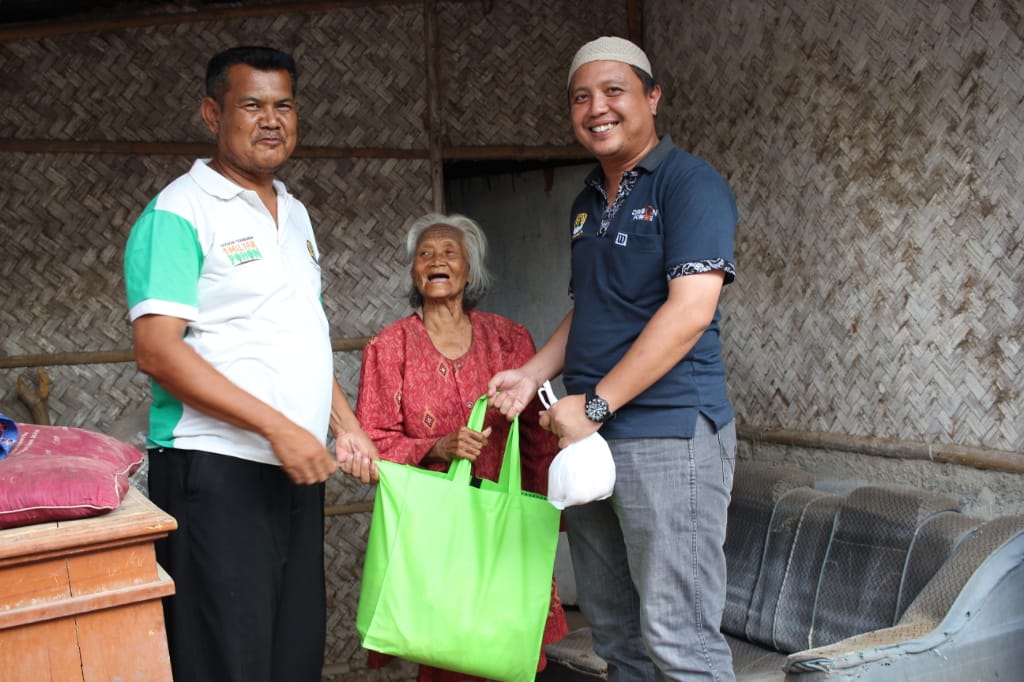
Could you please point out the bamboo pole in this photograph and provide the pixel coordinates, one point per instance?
(47, 29)
(102, 357)
(193, 149)
(106, 147)
(964, 455)
(572, 152)
(349, 508)
(634, 21)
(203, 149)
(433, 65)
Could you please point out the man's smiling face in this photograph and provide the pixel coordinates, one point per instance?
(612, 117)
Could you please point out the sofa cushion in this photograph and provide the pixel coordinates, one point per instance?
(937, 596)
(756, 491)
(782, 533)
(56, 473)
(862, 573)
(794, 613)
(936, 540)
(751, 662)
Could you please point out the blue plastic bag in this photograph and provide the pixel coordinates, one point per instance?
(8, 435)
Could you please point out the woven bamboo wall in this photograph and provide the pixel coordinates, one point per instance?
(876, 151)
(504, 67)
(64, 217)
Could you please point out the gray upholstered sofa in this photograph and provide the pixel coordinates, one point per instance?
(881, 583)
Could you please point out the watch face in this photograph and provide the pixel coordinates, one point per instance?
(597, 409)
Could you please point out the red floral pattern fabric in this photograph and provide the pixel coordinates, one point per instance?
(410, 395)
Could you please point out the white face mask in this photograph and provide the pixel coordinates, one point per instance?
(582, 472)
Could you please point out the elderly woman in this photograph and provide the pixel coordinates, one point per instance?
(421, 375)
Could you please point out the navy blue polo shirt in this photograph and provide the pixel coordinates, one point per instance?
(674, 216)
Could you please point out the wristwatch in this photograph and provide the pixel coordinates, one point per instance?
(597, 408)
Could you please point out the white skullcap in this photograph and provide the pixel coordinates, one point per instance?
(612, 49)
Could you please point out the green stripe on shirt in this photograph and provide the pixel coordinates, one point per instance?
(163, 259)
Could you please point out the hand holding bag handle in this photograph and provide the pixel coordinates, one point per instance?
(511, 477)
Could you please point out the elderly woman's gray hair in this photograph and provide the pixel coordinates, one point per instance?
(475, 243)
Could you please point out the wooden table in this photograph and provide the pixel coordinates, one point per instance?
(80, 600)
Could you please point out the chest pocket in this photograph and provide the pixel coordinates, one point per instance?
(634, 263)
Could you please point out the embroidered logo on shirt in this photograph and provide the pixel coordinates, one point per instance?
(241, 251)
(621, 238)
(646, 214)
(578, 223)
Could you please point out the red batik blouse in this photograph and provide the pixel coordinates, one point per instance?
(410, 395)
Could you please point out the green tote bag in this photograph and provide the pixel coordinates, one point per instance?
(458, 570)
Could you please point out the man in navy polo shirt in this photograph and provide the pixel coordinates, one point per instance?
(652, 247)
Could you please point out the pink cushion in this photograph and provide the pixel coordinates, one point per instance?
(57, 473)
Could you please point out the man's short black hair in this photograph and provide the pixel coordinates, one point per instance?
(645, 78)
(256, 56)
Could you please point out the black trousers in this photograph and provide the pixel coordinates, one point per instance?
(247, 561)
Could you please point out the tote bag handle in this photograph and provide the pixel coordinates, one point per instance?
(511, 478)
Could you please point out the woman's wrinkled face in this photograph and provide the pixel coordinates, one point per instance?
(440, 270)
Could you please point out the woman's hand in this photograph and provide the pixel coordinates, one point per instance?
(357, 456)
(464, 443)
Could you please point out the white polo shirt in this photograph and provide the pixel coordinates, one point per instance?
(207, 251)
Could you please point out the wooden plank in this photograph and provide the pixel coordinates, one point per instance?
(107, 654)
(45, 29)
(634, 21)
(34, 583)
(339, 345)
(41, 651)
(350, 508)
(136, 519)
(433, 97)
(963, 455)
(202, 149)
(194, 149)
(111, 569)
(36, 613)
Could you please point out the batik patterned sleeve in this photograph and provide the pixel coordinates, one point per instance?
(700, 220)
(379, 405)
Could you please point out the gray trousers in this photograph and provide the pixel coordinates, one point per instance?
(649, 563)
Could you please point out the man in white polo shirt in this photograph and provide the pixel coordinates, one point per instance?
(223, 282)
